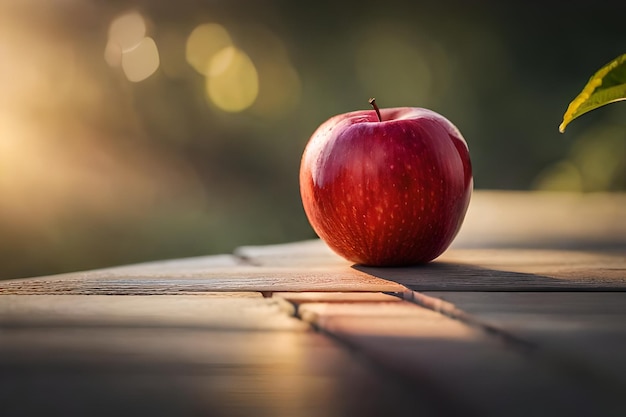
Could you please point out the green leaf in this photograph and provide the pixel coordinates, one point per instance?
(608, 85)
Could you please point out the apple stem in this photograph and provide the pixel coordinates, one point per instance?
(372, 101)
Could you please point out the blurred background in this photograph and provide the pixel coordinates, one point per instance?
(141, 130)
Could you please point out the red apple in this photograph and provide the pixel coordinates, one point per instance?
(386, 187)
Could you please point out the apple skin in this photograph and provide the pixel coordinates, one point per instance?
(386, 193)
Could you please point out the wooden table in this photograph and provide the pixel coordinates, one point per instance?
(524, 316)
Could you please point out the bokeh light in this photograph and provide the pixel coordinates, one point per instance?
(253, 73)
(127, 31)
(203, 43)
(129, 47)
(141, 61)
(232, 81)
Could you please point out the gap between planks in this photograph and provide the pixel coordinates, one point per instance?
(553, 360)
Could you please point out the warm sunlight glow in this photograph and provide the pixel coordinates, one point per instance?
(65, 129)
(203, 43)
(235, 83)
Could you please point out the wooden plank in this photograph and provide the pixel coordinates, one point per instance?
(513, 270)
(234, 311)
(130, 372)
(231, 355)
(462, 367)
(236, 278)
(581, 331)
(521, 219)
(457, 269)
(303, 254)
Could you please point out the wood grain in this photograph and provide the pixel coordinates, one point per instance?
(238, 278)
(214, 311)
(457, 269)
